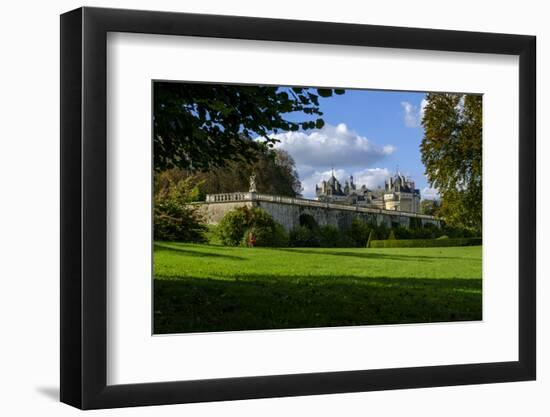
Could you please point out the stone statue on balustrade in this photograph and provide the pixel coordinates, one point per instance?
(252, 187)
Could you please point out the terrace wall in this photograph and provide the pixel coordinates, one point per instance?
(287, 211)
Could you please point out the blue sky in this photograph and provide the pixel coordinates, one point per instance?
(368, 134)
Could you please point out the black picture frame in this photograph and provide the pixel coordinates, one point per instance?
(84, 207)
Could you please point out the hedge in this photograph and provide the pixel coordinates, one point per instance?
(425, 243)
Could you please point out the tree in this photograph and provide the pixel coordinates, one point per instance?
(274, 169)
(430, 207)
(452, 154)
(200, 126)
(174, 219)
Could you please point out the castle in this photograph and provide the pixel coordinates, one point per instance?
(398, 194)
(397, 204)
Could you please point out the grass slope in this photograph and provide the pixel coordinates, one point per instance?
(200, 288)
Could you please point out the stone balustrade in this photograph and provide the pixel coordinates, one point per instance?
(258, 197)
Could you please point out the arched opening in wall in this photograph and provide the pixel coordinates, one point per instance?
(307, 220)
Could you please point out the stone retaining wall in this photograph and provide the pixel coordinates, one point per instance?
(287, 211)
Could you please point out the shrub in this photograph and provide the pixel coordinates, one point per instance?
(173, 217)
(302, 236)
(415, 223)
(308, 221)
(331, 237)
(239, 224)
(457, 232)
(263, 236)
(428, 231)
(275, 236)
(433, 230)
(392, 235)
(258, 217)
(425, 243)
(280, 236)
(345, 240)
(325, 236)
(401, 232)
(212, 235)
(360, 232)
(382, 231)
(232, 227)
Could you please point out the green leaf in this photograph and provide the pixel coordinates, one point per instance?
(324, 92)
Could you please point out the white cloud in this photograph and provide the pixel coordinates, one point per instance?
(331, 146)
(317, 151)
(413, 114)
(371, 177)
(411, 117)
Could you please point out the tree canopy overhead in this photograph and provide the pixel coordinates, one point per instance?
(200, 126)
(452, 154)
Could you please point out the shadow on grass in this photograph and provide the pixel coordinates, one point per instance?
(161, 247)
(367, 254)
(272, 302)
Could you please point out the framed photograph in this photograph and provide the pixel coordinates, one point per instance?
(257, 208)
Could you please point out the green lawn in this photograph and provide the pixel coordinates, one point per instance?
(200, 288)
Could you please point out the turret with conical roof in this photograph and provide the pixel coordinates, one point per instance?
(399, 193)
